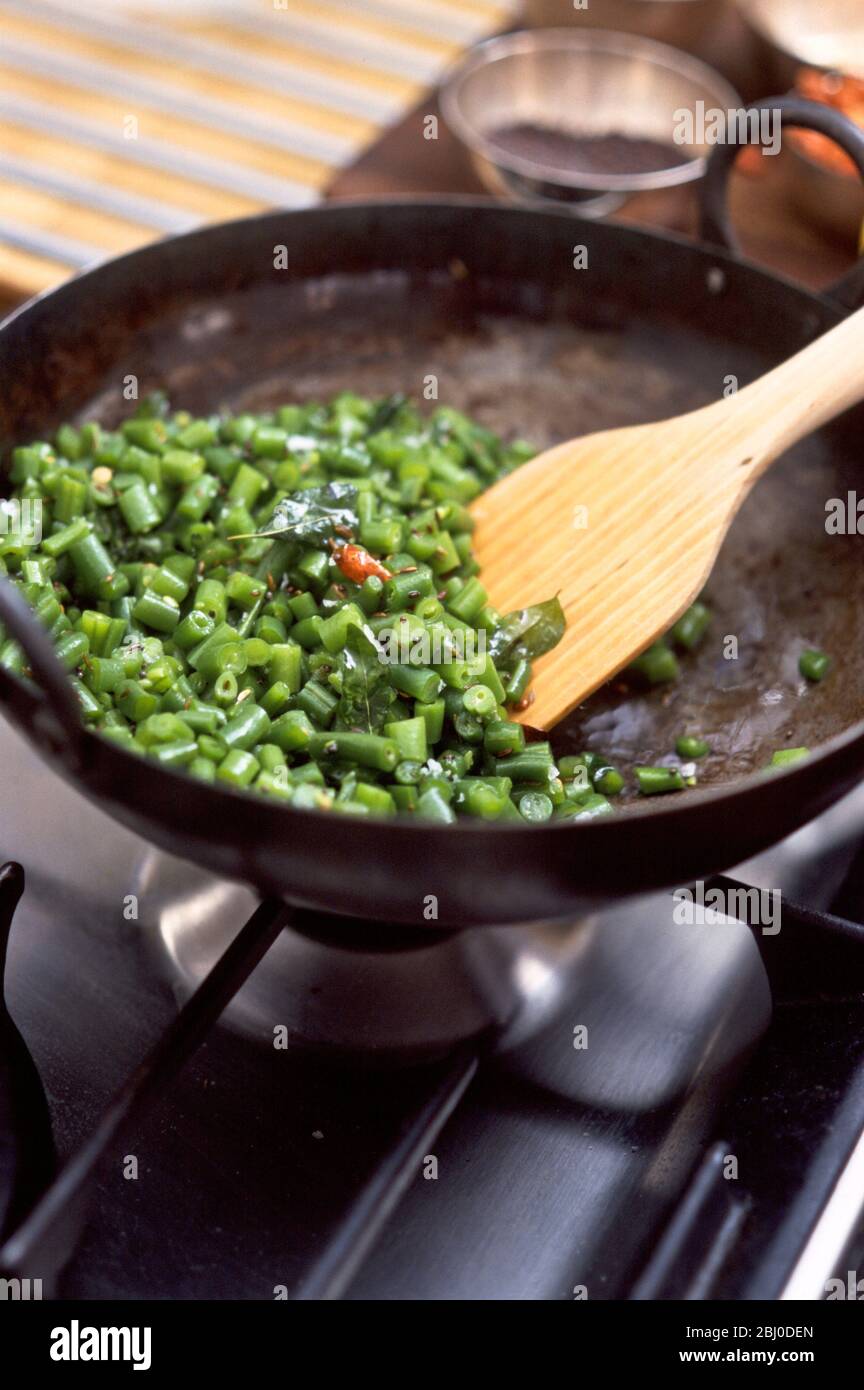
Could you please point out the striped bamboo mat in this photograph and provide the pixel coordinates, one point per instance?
(120, 122)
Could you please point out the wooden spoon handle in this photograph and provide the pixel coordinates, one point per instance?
(807, 391)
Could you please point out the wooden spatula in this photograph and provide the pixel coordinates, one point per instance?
(625, 525)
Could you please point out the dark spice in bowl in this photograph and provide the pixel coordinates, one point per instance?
(613, 153)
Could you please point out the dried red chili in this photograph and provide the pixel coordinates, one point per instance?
(357, 564)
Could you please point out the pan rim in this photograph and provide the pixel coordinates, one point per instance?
(669, 808)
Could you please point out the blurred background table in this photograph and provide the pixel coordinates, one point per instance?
(124, 121)
(120, 122)
(771, 230)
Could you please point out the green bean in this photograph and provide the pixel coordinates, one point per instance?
(104, 633)
(535, 806)
(273, 784)
(303, 606)
(270, 756)
(167, 583)
(655, 780)
(369, 750)
(417, 681)
(532, 764)
(176, 754)
(258, 652)
(91, 708)
(70, 500)
(468, 727)
(193, 629)
(190, 576)
(152, 610)
(588, 809)
(608, 781)
(202, 718)
(228, 656)
(457, 674)
(689, 746)
(247, 727)
(408, 772)
(333, 631)
(147, 434)
(292, 731)
(410, 737)
(238, 768)
(182, 466)
(103, 674)
(63, 540)
(383, 537)
(134, 701)
(407, 586)
(286, 665)
(226, 689)
(202, 768)
(48, 609)
(211, 747)
(785, 757)
(197, 498)
(692, 626)
(519, 681)
(308, 632)
(404, 798)
(376, 799)
(658, 665)
(814, 665)
(140, 511)
(486, 799)
(318, 702)
(271, 630)
(246, 486)
(211, 599)
(432, 715)
(468, 602)
(72, 649)
(244, 591)
(179, 695)
(12, 657)
(501, 737)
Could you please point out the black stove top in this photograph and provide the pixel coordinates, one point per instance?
(655, 1121)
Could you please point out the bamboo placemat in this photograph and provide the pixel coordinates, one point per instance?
(121, 123)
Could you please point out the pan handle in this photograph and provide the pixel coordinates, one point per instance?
(808, 115)
(59, 720)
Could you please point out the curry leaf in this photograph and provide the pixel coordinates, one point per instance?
(314, 513)
(366, 693)
(529, 632)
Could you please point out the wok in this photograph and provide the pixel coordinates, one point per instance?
(378, 297)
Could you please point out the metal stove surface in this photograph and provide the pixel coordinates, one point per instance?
(268, 1172)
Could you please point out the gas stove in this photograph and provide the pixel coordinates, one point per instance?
(623, 1107)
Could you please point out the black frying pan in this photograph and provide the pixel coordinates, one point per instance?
(376, 297)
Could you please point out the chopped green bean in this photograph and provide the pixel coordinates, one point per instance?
(288, 602)
(814, 665)
(689, 746)
(785, 757)
(655, 780)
